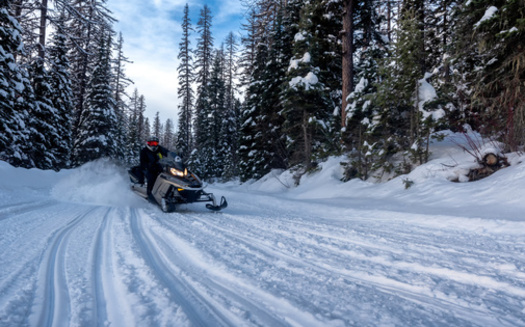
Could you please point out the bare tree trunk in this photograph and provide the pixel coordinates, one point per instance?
(18, 8)
(389, 20)
(348, 52)
(42, 28)
(307, 142)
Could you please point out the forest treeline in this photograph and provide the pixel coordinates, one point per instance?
(372, 80)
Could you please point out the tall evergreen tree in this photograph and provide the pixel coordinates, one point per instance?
(186, 78)
(262, 142)
(363, 132)
(62, 99)
(249, 43)
(255, 149)
(88, 23)
(230, 124)
(43, 133)
(210, 118)
(14, 91)
(203, 61)
(204, 50)
(203, 154)
(491, 35)
(157, 126)
(168, 136)
(310, 124)
(97, 136)
(136, 135)
(405, 128)
(120, 82)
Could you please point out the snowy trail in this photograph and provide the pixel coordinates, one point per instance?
(269, 261)
(382, 260)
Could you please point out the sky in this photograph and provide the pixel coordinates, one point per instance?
(152, 32)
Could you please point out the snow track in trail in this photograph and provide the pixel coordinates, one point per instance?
(236, 302)
(364, 261)
(101, 269)
(294, 263)
(52, 297)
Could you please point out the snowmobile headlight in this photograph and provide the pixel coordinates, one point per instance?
(178, 173)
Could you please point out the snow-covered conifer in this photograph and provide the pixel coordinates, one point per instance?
(14, 91)
(62, 99)
(97, 134)
(185, 93)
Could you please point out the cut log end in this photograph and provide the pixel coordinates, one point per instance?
(491, 159)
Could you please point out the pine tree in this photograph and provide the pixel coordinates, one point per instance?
(217, 117)
(363, 130)
(255, 150)
(146, 132)
(204, 50)
(28, 15)
(249, 43)
(136, 135)
(262, 142)
(186, 77)
(157, 126)
(168, 136)
(439, 27)
(62, 99)
(203, 62)
(97, 136)
(310, 124)
(405, 124)
(119, 84)
(203, 154)
(89, 22)
(121, 81)
(14, 91)
(491, 34)
(230, 141)
(230, 125)
(210, 119)
(43, 133)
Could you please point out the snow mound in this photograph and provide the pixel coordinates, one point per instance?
(99, 182)
(429, 185)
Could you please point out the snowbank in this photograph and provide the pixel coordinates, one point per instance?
(429, 185)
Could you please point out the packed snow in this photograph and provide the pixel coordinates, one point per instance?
(80, 249)
(489, 14)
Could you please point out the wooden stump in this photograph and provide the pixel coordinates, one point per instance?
(490, 163)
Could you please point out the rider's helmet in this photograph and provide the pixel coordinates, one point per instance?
(152, 143)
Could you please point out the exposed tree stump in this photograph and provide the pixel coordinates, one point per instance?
(490, 163)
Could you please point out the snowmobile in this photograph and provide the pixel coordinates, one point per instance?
(175, 185)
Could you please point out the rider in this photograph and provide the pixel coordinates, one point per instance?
(149, 161)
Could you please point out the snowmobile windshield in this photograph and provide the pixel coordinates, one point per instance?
(173, 161)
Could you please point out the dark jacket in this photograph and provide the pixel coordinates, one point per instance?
(149, 160)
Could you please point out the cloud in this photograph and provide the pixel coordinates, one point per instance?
(152, 33)
(151, 37)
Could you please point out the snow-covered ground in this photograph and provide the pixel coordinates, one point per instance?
(79, 249)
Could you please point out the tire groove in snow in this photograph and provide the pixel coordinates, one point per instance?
(283, 303)
(229, 292)
(196, 307)
(53, 304)
(99, 269)
(386, 277)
